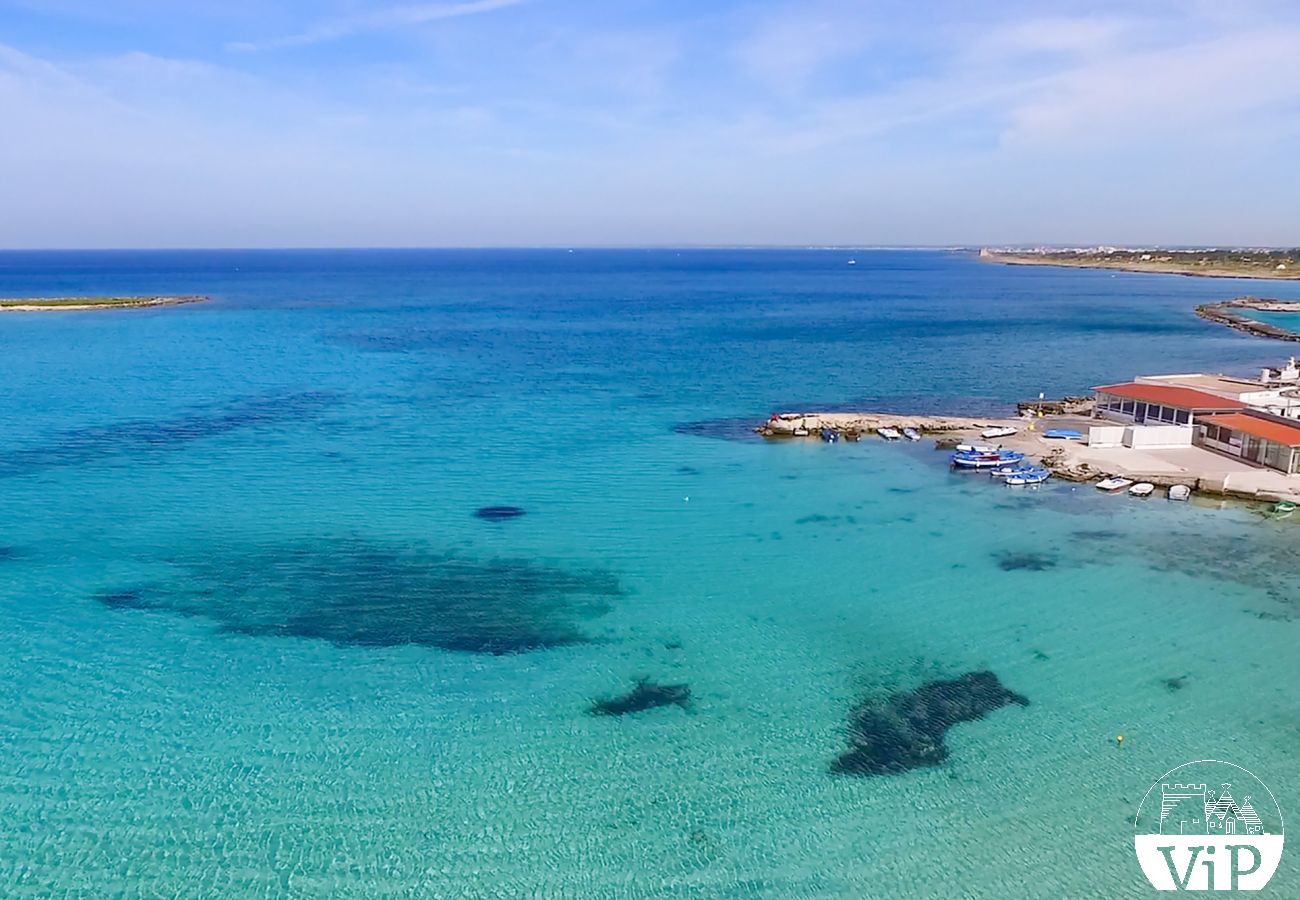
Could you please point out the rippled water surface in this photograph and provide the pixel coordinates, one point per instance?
(459, 574)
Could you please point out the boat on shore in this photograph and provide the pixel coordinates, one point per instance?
(1142, 489)
(1063, 434)
(889, 434)
(911, 434)
(800, 432)
(997, 432)
(1114, 483)
(1180, 492)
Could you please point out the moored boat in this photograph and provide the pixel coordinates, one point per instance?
(800, 432)
(1011, 469)
(889, 434)
(1029, 476)
(911, 434)
(1180, 492)
(1283, 509)
(1114, 483)
(975, 448)
(985, 460)
(1142, 489)
(829, 435)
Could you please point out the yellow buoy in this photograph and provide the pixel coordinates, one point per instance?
(1119, 739)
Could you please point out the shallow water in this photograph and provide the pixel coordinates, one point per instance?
(260, 641)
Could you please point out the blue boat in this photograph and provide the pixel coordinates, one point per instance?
(1029, 476)
(829, 435)
(1063, 434)
(986, 460)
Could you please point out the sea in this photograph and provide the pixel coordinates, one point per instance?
(317, 588)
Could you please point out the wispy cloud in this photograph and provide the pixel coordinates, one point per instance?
(380, 20)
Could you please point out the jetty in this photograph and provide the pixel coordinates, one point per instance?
(1226, 313)
(84, 304)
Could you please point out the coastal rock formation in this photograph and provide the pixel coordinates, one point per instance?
(646, 694)
(1225, 313)
(786, 424)
(362, 593)
(83, 304)
(905, 731)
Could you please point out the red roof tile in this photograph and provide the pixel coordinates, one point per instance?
(1167, 395)
(1277, 432)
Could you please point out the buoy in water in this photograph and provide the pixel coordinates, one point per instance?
(1119, 740)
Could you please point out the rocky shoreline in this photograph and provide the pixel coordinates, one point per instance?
(1224, 313)
(84, 304)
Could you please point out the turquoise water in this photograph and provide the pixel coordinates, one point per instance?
(259, 644)
(1288, 320)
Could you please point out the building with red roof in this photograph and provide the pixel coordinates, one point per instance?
(1257, 436)
(1159, 404)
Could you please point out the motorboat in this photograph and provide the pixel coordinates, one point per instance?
(911, 434)
(1114, 483)
(1142, 489)
(1180, 492)
(975, 448)
(1029, 476)
(889, 434)
(1063, 434)
(854, 436)
(997, 432)
(800, 431)
(829, 435)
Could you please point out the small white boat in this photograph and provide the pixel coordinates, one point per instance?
(975, 448)
(1000, 431)
(853, 262)
(911, 434)
(1180, 492)
(889, 434)
(800, 432)
(1114, 483)
(1142, 489)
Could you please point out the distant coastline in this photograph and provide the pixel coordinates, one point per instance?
(74, 304)
(1281, 265)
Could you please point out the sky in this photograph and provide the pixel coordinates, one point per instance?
(286, 123)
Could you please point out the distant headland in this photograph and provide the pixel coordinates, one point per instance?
(1225, 313)
(1211, 263)
(72, 304)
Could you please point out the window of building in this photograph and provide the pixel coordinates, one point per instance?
(1183, 417)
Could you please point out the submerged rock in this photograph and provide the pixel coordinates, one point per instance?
(1029, 562)
(905, 731)
(371, 594)
(645, 695)
(499, 513)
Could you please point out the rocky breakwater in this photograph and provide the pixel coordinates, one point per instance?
(848, 423)
(1226, 313)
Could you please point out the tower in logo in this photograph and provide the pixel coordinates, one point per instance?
(1193, 837)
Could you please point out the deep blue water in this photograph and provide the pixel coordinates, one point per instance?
(260, 643)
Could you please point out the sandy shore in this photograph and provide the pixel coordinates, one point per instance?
(1204, 471)
(84, 304)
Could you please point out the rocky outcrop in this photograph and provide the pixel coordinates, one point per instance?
(787, 424)
(1225, 313)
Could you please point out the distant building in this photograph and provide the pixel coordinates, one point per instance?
(1256, 436)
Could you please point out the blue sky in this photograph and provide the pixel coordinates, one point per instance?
(631, 122)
